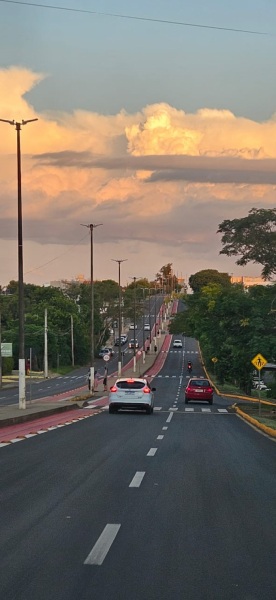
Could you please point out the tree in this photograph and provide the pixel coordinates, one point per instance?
(254, 238)
(207, 277)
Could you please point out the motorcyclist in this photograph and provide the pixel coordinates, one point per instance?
(190, 366)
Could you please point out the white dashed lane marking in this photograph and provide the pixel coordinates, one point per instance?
(103, 545)
(152, 452)
(137, 479)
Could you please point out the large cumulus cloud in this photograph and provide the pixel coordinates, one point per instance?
(160, 178)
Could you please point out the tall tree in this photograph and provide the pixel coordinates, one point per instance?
(207, 277)
(254, 238)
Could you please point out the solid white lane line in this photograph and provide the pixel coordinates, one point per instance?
(160, 437)
(103, 544)
(137, 479)
(164, 428)
(169, 417)
(152, 452)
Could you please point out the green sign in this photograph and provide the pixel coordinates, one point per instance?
(6, 349)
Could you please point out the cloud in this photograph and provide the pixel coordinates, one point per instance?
(161, 178)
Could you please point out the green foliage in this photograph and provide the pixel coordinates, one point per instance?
(233, 325)
(253, 237)
(7, 365)
(206, 277)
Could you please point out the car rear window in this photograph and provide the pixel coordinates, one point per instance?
(199, 383)
(130, 385)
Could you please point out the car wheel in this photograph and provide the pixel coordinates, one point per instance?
(186, 400)
(149, 410)
(111, 410)
(211, 401)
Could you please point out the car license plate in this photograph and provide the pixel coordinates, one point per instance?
(198, 390)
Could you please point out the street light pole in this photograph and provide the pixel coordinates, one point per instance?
(92, 226)
(21, 353)
(143, 290)
(120, 261)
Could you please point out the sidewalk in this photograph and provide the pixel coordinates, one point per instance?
(77, 399)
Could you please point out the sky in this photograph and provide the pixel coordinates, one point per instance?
(159, 127)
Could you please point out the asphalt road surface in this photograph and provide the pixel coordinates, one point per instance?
(171, 506)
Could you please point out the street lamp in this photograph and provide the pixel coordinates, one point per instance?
(21, 353)
(143, 290)
(134, 323)
(92, 226)
(120, 261)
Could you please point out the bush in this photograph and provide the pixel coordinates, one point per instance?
(7, 365)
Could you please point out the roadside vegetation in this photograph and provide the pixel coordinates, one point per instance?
(232, 325)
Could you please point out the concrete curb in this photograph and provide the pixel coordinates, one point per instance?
(268, 430)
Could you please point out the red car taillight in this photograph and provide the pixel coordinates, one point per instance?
(188, 389)
(113, 388)
(146, 390)
(209, 390)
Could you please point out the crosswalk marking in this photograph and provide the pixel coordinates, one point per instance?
(222, 410)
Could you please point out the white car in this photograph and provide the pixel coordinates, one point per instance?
(261, 386)
(131, 393)
(177, 344)
(147, 327)
(132, 326)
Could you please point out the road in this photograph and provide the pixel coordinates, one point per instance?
(77, 379)
(171, 506)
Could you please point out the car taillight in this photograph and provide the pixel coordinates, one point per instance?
(209, 390)
(146, 390)
(113, 388)
(188, 389)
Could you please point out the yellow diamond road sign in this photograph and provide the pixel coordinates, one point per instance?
(259, 361)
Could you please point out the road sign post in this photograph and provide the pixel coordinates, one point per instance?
(259, 363)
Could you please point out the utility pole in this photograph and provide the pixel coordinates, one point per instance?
(21, 354)
(0, 350)
(46, 344)
(72, 341)
(92, 226)
(143, 352)
(134, 323)
(120, 261)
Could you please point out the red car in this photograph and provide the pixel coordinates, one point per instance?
(199, 389)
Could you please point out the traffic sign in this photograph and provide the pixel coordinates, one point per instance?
(106, 357)
(259, 361)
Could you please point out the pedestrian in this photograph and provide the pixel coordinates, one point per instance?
(105, 382)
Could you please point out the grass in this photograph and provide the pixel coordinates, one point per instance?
(268, 413)
(63, 370)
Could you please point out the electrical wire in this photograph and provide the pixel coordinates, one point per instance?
(57, 257)
(133, 17)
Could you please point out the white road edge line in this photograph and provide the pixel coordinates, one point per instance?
(152, 452)
(103, 544)
(137, 479)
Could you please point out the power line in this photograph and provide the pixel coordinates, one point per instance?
(57, 257)
(135, 18)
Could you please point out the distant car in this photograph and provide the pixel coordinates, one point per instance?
(177, 344)
(132, 326)
(106, 350)
(261, 386)
(131, 393)
(123, 340)
(147, 327)
(199, 389)
(131, 343)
